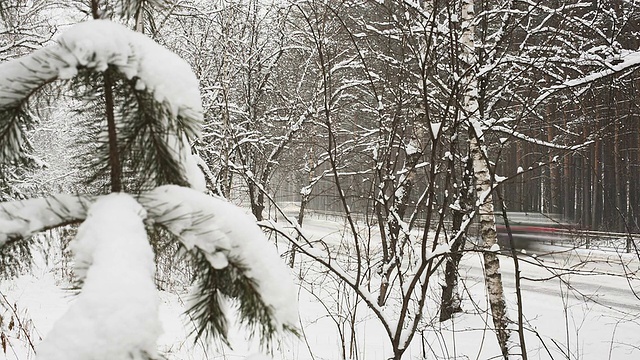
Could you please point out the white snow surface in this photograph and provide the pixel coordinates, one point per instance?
(225, 233)
(116, 316)
(258, 357)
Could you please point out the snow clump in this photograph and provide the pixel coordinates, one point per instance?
(116, 316)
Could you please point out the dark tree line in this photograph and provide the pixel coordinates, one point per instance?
(596, 185)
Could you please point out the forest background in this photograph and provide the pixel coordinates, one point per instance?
(384, 113)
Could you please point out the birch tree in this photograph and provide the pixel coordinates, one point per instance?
(482, 176)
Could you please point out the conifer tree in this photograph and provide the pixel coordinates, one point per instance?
(144, 111)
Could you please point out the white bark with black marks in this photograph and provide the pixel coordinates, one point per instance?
(482, 180)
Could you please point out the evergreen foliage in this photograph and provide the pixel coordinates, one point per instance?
(140, 139)
(144, 127)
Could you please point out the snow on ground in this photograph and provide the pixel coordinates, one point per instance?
(560, 323)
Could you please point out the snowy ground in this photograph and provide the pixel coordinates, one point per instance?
(587, 316)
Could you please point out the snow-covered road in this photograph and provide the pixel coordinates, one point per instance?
(606, 279)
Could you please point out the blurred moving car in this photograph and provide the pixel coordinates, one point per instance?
(530, 228)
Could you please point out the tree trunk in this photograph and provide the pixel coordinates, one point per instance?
(305, 196)
(450, 303)
(482, 180)
(520, 181)
(493, 278)
(553, 183)
(114, 153)
(587, 187)
(619, 173)
(596, 204)
(609, 183)
(632, 178)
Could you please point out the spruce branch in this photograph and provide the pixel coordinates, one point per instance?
(15, 258)
(21, 219)
(18, 80)
(233, 260)
(230, 255)
(149, 138)
(207, 309)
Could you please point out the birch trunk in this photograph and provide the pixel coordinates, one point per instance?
(482, 179)
(492, 275)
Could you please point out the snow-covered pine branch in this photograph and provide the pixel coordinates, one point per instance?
(21, 219)
(159, 111)
(97, 46)
(236, 250)
(239, 262)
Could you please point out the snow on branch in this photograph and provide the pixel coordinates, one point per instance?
(521, 136)
(227, 237)
(21, 219)
(97, 45)
(627, 61)
(116, 316)
(240, 262)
